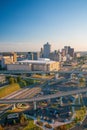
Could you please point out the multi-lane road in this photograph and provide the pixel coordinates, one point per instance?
(24, 93)
(35, 99)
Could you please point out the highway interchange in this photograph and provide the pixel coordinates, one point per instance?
(30, 94)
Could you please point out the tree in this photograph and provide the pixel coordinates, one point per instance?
(14, 122)
(23, 83)
(11, 80)
(18, 79)
(63, 127)
(23, 119)
(38, 118)
(76, 120)
(82, 81)
(15, 80)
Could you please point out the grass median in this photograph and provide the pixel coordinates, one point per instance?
(9, 89)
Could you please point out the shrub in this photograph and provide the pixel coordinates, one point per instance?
(48, 126)
(39, 123)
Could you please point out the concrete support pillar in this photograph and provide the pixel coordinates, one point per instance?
(35, 107)
(56, 76)
(79, 99)
(49, 100)
(86, 94)
(13, 107)
(72, 76)
(48, 82)
(73, 107)
(61, 101)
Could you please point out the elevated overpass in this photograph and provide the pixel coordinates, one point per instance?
(26, 77)
(40, 72)
(46, 97)
(21, 72)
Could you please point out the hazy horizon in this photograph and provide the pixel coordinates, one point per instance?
(26, 25)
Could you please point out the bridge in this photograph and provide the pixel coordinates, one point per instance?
(21, 72)
(47, 97)
(40, 72)
(25, 77)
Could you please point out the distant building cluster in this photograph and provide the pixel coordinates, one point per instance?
(45, 59)
(66, 54)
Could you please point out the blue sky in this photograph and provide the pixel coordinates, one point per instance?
(25, 25)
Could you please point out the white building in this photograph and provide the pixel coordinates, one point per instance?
(35, 65)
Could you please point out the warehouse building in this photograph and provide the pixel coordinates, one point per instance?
(42, 64)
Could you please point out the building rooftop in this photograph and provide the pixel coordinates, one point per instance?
(39, 61)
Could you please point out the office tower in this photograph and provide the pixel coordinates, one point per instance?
(30, 55)
(36, 55)
(46, 50)
(71, 52)
(33, 55)
(41, 53)
(63, 52)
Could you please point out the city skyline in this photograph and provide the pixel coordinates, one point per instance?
(26, 25)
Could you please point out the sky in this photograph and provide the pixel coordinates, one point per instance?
(25, 25)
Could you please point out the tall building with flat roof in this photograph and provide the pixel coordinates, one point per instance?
(33, 55)
(46, 50)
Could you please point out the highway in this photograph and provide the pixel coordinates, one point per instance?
(23, 93)
(35, 99)
(25, 77)
(20, 72)
(40, 72)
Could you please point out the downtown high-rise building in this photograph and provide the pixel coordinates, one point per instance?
(33, 55)
(46, 50)
(68, 51)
